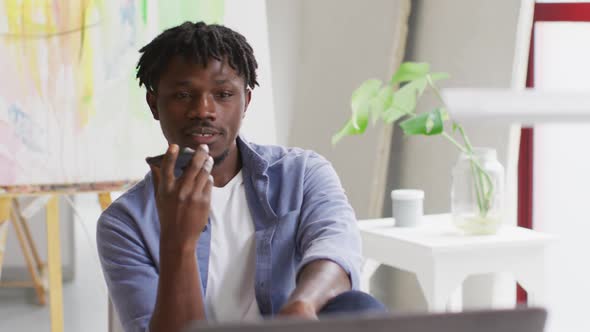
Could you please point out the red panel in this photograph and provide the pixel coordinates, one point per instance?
(525, 190)
(562, 12)
(525, 178)
(525, 155)
(525, 167)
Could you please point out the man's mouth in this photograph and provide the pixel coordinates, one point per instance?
(202, 135)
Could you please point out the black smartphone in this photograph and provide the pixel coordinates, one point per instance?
(183, 160)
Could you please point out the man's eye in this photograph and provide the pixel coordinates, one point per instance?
(182, 95)
(224, 94)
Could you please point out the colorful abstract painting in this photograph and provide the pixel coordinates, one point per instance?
(70, 107)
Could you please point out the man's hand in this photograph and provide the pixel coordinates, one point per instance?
(183, 209)
(317, 283)
(299, 309)
(183, 202)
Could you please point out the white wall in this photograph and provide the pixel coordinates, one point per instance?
(284, 21)
(248, 18)
(475, 42)
(561, 178)
(321, 51)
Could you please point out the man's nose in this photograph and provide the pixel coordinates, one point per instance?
(202, 107)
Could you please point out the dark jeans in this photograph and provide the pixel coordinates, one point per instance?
(353, 302)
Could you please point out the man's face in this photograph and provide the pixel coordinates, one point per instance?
(200, 105)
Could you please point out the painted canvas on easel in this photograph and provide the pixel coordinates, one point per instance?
(68, 102)
(70, 108)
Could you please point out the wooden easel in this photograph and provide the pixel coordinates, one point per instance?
(37, 269)
(10, 213)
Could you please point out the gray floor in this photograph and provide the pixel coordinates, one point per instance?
(85, 299)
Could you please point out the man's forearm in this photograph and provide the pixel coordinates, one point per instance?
(179, 292)
(317, 283)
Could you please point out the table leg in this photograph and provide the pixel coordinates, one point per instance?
(478, 291)
(367, 270)
(54, 265)
(531, 276)
(437, 287)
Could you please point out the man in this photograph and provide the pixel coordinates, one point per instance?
(245, 231)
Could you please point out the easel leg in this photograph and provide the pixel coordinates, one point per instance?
(54, 264)
(25, 246)
(4, 213)
(105, 200)
(25, 225)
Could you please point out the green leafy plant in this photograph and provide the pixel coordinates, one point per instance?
(375, 100)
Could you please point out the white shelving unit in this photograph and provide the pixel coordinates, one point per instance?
(526, 106)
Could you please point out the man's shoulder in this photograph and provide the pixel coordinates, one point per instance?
(282, 156)
(130, 205)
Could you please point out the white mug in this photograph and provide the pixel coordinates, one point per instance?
(407, 207)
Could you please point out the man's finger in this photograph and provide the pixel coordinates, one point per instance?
(155, 177)
(204, 176)
(167, 174)
(206, 186)
(188, 178)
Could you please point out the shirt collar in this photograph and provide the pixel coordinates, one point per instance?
(256, 183)
(253, 162)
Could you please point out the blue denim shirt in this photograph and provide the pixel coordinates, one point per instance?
(300, 214)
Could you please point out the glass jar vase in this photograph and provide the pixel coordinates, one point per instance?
(477, 192)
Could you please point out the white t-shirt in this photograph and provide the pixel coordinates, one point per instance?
(230, 280)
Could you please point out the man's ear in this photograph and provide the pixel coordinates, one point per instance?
(248, 98)
(151, 99)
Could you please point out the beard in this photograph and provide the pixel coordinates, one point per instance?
(219, 159)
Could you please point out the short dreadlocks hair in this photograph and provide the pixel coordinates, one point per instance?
(199, 42)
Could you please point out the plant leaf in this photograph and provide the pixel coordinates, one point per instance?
(444, 114)
(349, 129)
(439, 76)
(409, 71)
(392, 114)
(381, 102)
(361, 99)
(428, 124)
(405, 98)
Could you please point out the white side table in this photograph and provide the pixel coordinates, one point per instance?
(442, 257)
